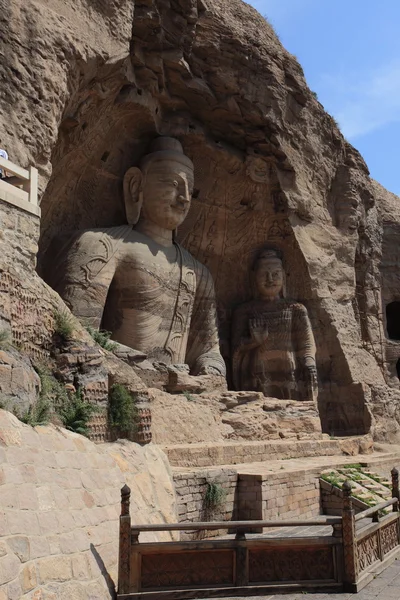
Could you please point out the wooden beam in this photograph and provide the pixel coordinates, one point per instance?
(13, 168)
(213, 525)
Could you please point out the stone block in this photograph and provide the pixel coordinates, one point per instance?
(80, 567)
(28, 578)
(9, 568)
(54, 568)
(20, 546)
(14, 590)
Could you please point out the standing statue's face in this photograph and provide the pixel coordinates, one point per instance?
(167, 192)
(269, 278)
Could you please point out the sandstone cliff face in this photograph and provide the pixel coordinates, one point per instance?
(102, 79)
(59, 509)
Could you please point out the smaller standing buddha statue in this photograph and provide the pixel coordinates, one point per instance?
(273, 348)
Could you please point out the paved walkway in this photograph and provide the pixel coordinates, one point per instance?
(385, 586)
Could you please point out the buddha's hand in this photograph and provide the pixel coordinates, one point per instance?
(258, 330)
(311, 381)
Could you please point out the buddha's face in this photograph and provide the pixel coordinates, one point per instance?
(269, 277)
(167, 192)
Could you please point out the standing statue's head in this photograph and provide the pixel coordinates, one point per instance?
(160, 190)
(268, 277)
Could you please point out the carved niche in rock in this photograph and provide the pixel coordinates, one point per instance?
(136, 281)
(273, 345)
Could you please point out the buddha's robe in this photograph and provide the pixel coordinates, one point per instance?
(278, 366)
(154, 299)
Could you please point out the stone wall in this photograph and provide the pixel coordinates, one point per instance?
(19, 236)
(332, 500)
(191, 489)
(59, 508)
(278, 496)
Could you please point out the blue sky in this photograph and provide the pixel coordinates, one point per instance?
(350, 53)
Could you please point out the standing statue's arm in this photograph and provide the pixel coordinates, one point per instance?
(203, 353)
(303, 337)
(305, 351)
(88, 270)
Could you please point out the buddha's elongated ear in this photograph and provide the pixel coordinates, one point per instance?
(133, 197)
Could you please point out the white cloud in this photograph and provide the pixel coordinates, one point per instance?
(363, 102)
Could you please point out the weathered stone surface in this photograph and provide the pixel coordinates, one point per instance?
(67, 542)
(271, 167)
(19, 383)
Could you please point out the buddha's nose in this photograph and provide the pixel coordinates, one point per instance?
(184, 198)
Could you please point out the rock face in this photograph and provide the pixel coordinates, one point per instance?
(271, 167)
(59, 508)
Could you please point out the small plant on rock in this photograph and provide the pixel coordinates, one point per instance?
(76, 413)
(214, 497)
(189, 396)
(63, 325)
(123, 412)
(37, 414)
(102, 337)
(4, 338)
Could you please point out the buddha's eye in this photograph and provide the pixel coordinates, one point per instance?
(176, 183)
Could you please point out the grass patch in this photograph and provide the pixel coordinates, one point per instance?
(37, 414)
(76, 413)
(189, 396)
(123, 412)
(63, 325)
(215, 496)
(102, 337)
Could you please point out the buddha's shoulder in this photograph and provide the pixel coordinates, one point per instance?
(190, 261)
(296, 307)
(104, 233)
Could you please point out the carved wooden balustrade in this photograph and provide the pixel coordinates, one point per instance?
(370, 548)
(236, 565)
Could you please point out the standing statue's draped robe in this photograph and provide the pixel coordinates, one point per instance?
(154, 299)
(275, 366)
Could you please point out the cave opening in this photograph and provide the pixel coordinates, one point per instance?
(398, 368)
(393, 321)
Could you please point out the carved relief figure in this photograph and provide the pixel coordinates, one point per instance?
(273, 345)
(136, 281)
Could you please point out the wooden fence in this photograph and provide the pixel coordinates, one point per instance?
(21, 187)
(344, 560)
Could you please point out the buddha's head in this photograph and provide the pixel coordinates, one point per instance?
(160, 190)
(268, 275)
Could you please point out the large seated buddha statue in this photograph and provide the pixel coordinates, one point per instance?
(136, 281)
(273, 345)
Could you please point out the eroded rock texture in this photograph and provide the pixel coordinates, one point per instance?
(102, 79)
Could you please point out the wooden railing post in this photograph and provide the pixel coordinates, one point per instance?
(124, 571)
(349, 539)
(395, 488)
(242, 574)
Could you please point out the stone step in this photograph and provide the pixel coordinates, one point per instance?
(233, 453)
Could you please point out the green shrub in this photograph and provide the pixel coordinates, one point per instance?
(63, 325)
(76, 412)
(102, 338)
(123, 412)
(189, 396)
(215, 496)
(37, 414)
(314, 94)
